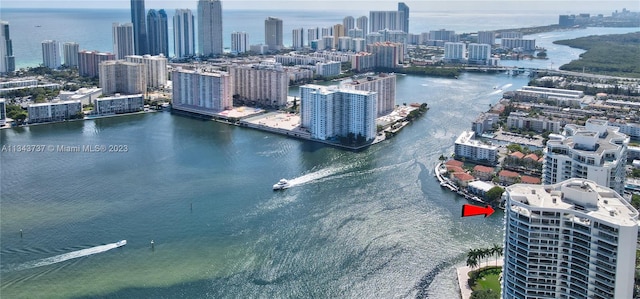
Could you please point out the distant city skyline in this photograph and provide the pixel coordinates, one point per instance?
(564, 6)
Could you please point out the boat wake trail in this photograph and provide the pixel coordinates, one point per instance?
(314, 176)
(63, 257)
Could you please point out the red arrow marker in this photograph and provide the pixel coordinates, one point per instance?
(473, 210)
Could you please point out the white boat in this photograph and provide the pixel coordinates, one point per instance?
(282, 184)
(121, 243)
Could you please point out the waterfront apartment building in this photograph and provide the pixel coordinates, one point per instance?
(70, 54)
(485, 122)
(51, 54)
(203, 93)
(139, 29)
(596, 152)
(123, 42)
(89, 62)
(518, 43)
(184, 34)
(363, 24)
(239, 42)
(265, 84)
(380, 20)
(119, 76)
(329, 112)
(382, 84)
(155, 69)
(273, 33)
(338, 32)
(454, 52)
(479, 53)
(387, 54)
(328, 69)
(573, 239)
(54, 111)
(209, 27)
(628, 128)
(539, 123)
(487, 37)
(7, 60)
(118, 104)
(561, 97)
(443, 35)
(467, 147)
(297, 36)
(158, 32)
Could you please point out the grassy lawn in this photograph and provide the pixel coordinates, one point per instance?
(488, 278)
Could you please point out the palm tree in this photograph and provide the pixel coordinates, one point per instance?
(486, 253)
(472, 258)
(497, 251)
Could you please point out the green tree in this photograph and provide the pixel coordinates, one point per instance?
(494, 193)
(472, 258)
(514, 147)
(496, 250)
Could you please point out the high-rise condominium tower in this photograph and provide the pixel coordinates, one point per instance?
(7, 60)
(123, 40)
(239, 42)
(363, 23)
(273, 33)
(404, 16)
(51, 54)
(139, 27)
(574, 239)
(157, 32)
(209, 27)
(70, 53)
(184, 33)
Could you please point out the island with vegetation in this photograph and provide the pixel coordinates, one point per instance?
(613, 55)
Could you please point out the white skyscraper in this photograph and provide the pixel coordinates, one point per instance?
(454, 51)
(383, 84)
(119, 76)
(239, 42)
(184, 33)
(155, 69)
(298, 38)
(349, 23)
(381, 20)
(312, 34)
(574, 239)
(202, 93)
(265, 84)
(209, 27)
(596, 152)
(51, 54)
(363, 23)
(329, 112)
(479, 53)
(123, 40)
(70, 53)
(487, 37)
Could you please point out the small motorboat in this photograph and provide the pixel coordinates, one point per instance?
(282, 184)
(121, 243)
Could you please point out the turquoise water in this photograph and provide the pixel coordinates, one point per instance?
(354, 224)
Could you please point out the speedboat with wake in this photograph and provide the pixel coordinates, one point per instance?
(121, 243)
(281, 185)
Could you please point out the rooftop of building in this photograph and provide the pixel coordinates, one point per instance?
(55, 103)
(466, 138)
(525, 179)
(508, 173)
(580, 195)
(604, 142)
(481, 168)
(454, 163)
(463, 176)
(518, 155)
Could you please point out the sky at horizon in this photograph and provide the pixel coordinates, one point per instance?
(561, 7)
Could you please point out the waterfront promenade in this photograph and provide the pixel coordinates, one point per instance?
(463, 277)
